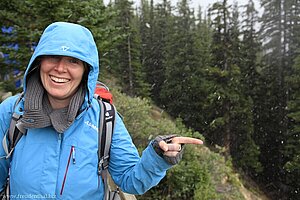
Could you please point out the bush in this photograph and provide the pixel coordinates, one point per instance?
(201, 174)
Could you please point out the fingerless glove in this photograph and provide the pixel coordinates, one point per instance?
(173, 160)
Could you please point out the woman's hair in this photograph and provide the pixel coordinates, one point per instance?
(85, 73)
(34, 67)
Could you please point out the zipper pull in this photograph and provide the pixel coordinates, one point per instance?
(73, 155)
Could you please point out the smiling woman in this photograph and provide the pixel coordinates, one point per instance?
(61, 76)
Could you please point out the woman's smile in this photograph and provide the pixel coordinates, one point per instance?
(59, 80)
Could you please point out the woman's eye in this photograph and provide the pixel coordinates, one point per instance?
(74, 61)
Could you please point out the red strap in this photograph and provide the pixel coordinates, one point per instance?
(104, 94)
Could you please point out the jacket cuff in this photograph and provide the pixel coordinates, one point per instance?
(153, 162)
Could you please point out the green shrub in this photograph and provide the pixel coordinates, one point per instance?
(201, 175)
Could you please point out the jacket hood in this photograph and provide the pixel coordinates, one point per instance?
(68, 39)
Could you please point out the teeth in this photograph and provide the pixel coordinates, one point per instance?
(59, 80)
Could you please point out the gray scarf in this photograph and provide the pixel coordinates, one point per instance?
(38, 112)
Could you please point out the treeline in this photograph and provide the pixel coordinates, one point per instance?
(226, 72)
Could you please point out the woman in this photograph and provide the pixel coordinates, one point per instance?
(60, 114)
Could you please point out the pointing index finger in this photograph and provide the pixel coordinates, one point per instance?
(186, 140)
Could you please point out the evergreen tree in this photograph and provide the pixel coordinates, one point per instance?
(251, 49)
(99, 19)
(271, 133)
(249, 52)
(229, 107)
(292, 147)
(127, 58)
(222, 74)
(202, 85)
(155, 28)
(18, 18)
(183, 89)
(203, 38)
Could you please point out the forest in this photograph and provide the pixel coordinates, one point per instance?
(228, 72)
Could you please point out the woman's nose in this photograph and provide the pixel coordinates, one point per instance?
(61, 66)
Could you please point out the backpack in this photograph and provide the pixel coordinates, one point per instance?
(105, 131)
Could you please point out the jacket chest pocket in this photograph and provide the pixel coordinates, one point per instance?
(78, 171)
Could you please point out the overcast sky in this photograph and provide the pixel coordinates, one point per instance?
(204, 3)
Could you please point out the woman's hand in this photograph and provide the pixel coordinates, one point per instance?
(170, 147)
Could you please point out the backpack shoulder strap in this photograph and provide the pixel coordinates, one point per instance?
(106, 128)
(14, 133)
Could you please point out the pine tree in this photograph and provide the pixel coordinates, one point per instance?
(99, 19)
(292, 146)
(274, 95)
(183, 86)
(249, 52)
(221, 73)
(155, 28)
(127, 57)
(25, 21)
(230, 106)
(203, 38)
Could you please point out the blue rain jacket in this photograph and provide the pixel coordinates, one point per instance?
(42, 163)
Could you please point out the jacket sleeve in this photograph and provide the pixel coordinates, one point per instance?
(134, 174)
(6, 108)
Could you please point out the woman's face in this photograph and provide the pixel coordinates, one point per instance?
(61, 76)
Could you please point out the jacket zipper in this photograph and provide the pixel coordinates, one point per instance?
(72, 154)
